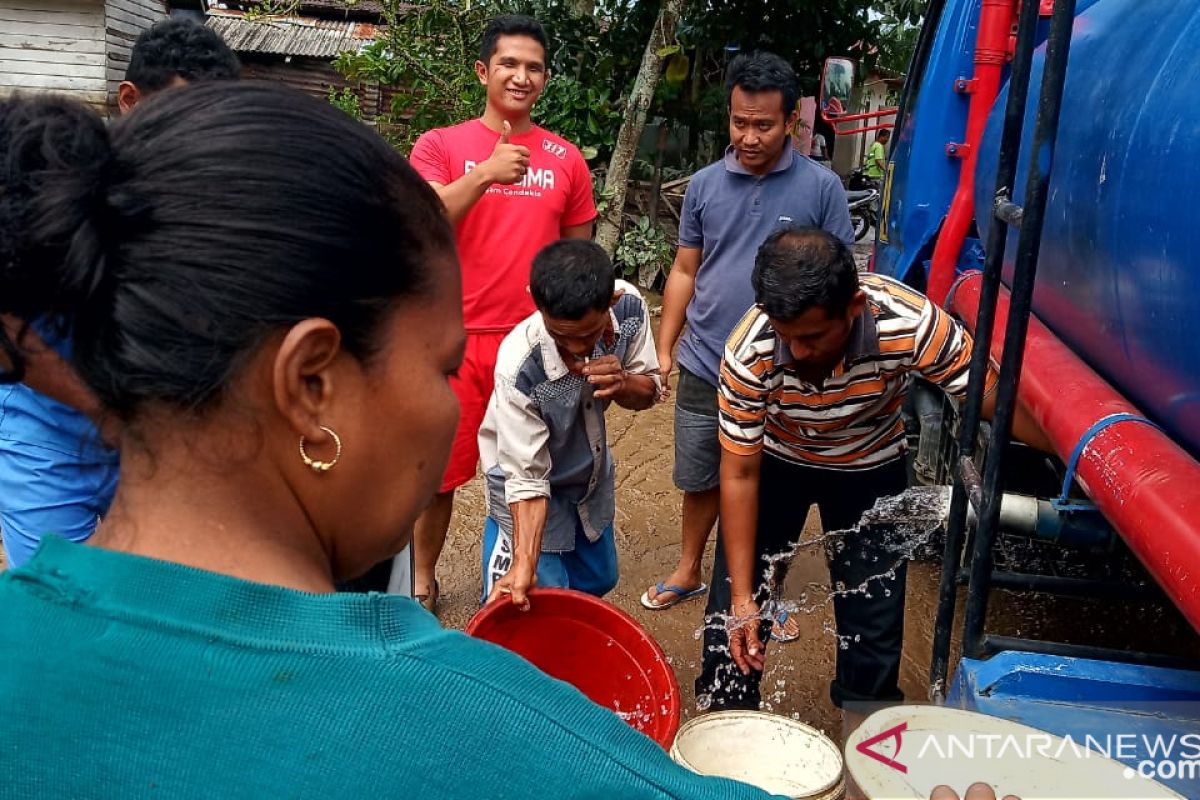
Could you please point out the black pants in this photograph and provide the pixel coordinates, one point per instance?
(376, 579)
(871, 625)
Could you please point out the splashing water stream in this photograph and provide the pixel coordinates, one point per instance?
(900, 526)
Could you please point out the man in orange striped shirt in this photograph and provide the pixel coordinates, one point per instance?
(811, 387)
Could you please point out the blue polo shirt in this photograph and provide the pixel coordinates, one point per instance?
(56, 476)
(727, 213)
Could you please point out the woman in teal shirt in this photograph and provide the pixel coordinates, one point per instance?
(265, 302)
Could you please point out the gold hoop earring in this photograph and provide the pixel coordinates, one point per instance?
(322, 466)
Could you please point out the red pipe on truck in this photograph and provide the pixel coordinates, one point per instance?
(991, 53)
(1145, 484)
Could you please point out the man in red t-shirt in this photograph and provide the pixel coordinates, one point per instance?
(510, 188)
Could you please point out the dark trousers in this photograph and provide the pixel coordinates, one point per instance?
(870, 624)
(376, 579)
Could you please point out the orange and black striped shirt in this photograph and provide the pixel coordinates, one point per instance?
(852, 420)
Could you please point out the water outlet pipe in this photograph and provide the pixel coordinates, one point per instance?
(1143, 482)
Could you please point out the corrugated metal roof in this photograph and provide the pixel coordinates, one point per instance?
(290, 36)
(356, 7)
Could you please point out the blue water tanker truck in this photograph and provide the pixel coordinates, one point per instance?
(1039, 185)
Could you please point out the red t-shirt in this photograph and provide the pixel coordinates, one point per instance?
(501, 234)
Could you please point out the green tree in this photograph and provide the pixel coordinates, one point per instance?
(426, 55)
(659, 45)
(712, 32)
(899, 27)
(601, 91)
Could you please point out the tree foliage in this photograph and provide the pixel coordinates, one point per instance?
(660, 46)
(429, 49)
(427, 55)
(598, 95)
(805, 32)
(898, 29)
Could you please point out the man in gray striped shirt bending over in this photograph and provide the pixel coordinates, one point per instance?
(551, 493)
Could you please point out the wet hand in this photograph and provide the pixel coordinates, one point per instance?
(516, 583)
(508, 163)
(665, 363)
(977, 791)
(748, 651)
(607, 376)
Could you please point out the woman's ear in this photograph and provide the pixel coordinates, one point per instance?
(302, 374)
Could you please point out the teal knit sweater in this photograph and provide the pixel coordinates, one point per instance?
(124, 677)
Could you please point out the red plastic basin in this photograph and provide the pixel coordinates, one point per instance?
(595, 647)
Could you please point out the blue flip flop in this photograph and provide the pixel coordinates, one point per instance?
(680, 593)
(777, 629)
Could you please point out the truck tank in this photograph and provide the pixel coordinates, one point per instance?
(1119, 273)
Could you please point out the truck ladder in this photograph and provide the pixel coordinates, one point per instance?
(985, 493)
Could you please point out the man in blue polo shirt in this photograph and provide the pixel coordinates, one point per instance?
(730, 208)
(56, 476)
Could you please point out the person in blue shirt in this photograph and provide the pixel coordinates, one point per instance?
(57, 476)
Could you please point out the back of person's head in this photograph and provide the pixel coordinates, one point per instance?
(175, 243)
(799, 268)
(179, 48)
(761, 71)
(511, 25)
(571, 277)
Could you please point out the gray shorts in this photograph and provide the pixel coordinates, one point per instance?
(697, 448)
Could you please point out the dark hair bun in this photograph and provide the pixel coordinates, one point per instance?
(173, 244)
(55, 159)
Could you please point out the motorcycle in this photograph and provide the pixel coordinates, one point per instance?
(863, 215)
(863, 196)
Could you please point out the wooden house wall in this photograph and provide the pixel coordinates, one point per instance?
(54, 45)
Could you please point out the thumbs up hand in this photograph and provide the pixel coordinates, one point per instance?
(508, 163)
